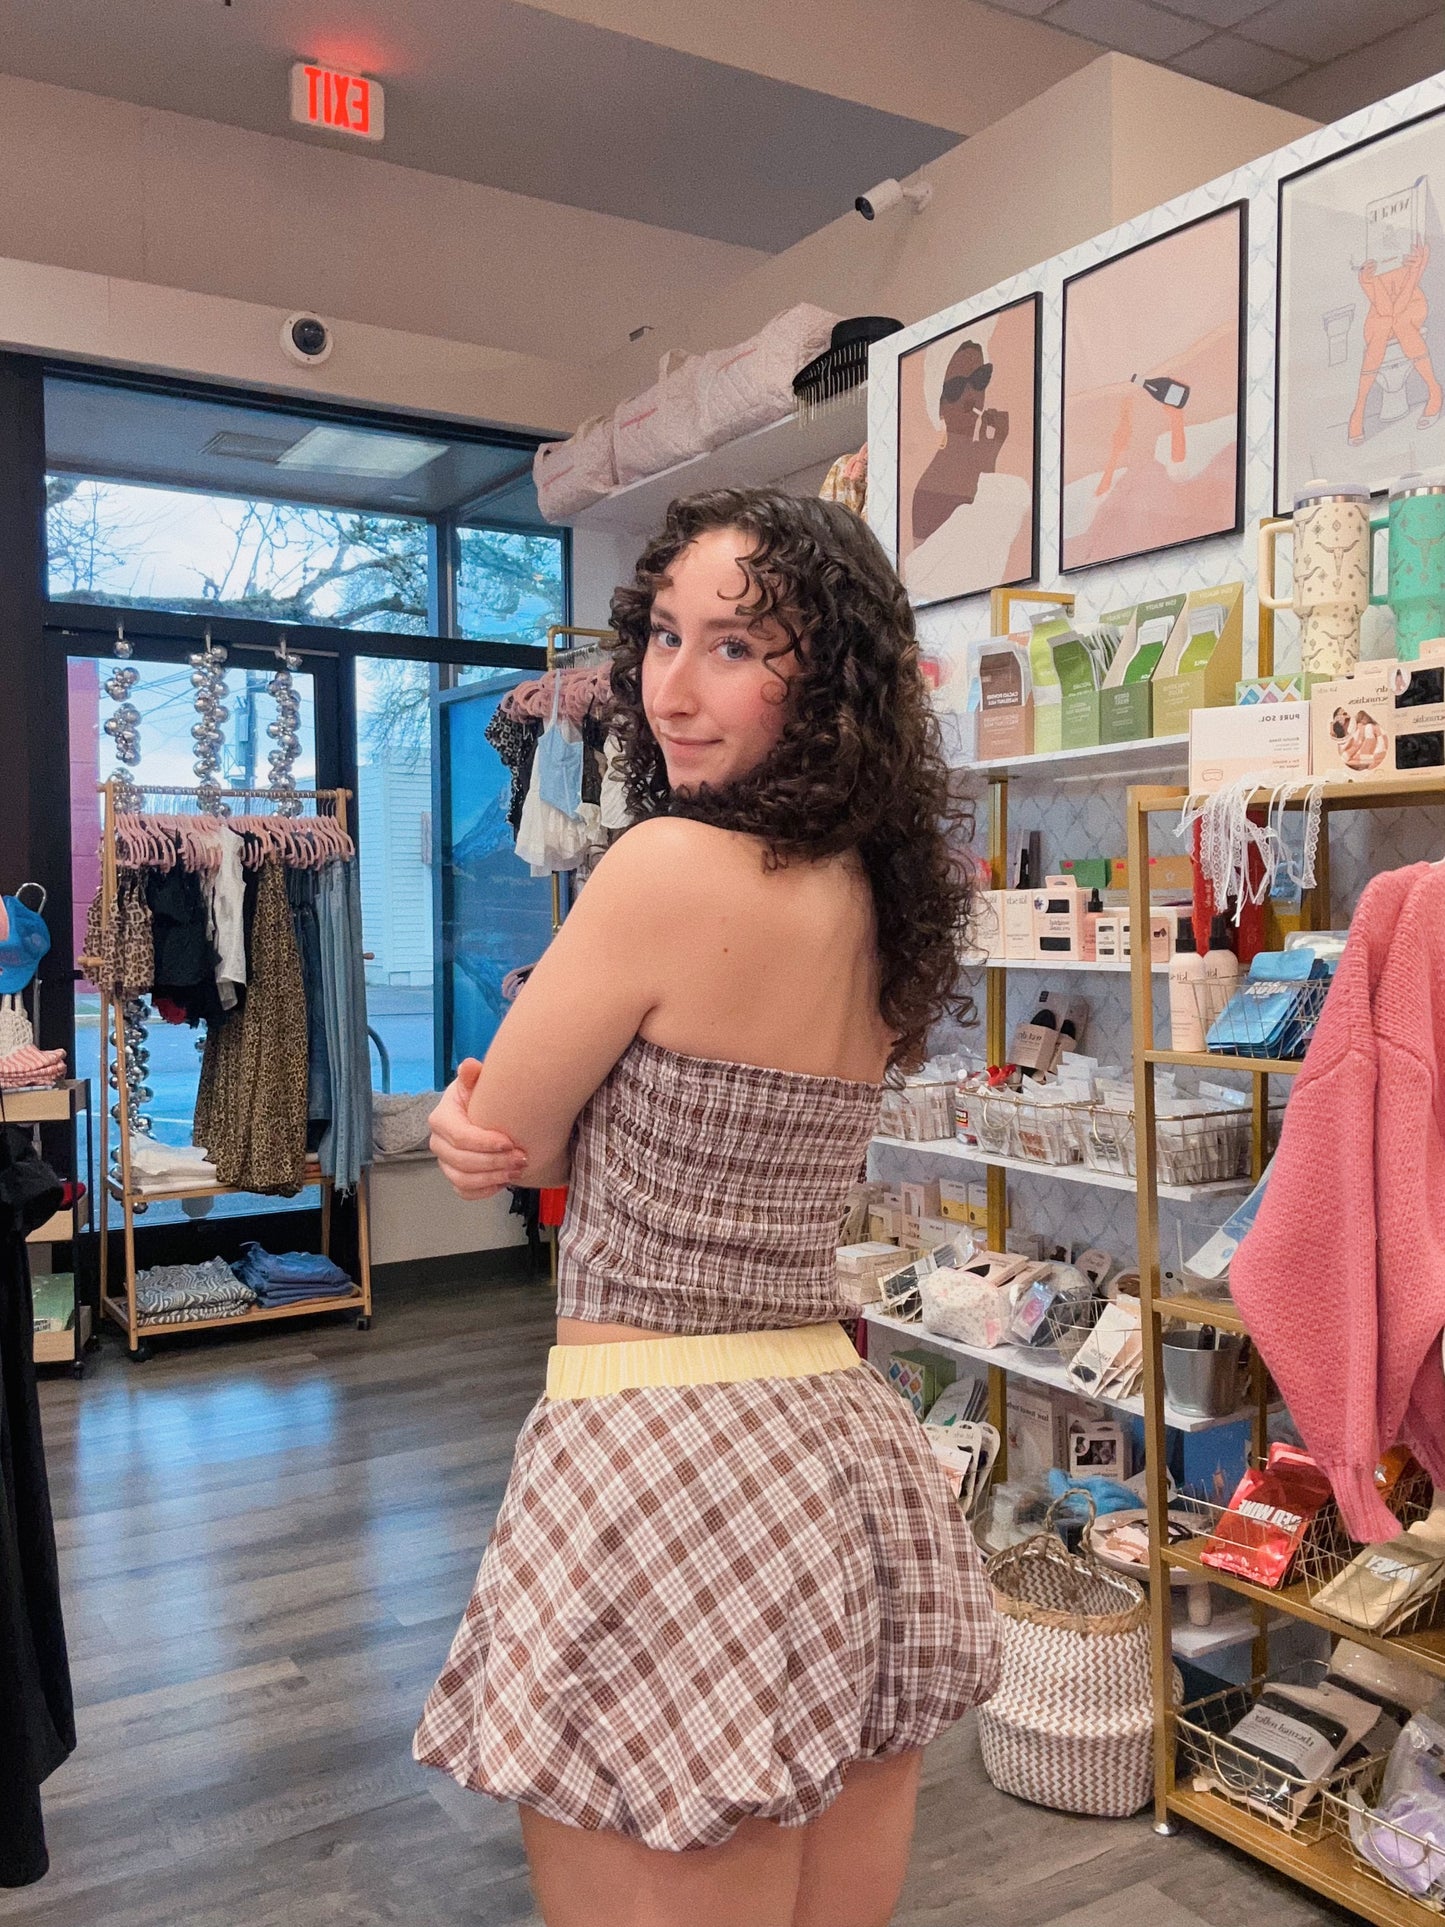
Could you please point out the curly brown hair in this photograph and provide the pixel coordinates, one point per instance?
(859, 763)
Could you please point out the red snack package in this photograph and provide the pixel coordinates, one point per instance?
(1269, 1515)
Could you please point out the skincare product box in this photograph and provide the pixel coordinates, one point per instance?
(978, 1206)
(1082, 660)
(1203, 658)
(1111, 937)
(1018, 925)
(950, 671)
(983, 940)
(1047, 696)
(1005, 700)
(1126, 709)
(1271, 740)
(919, 1197)
(953, 1201)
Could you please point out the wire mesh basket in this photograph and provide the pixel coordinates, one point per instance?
(1263, 1017)
(1209, 1147)
(1400, 1857)
(1010, 1124)
(1319, 1544)
(1359, 1592)
(1069, 1322)
(1294, 1804)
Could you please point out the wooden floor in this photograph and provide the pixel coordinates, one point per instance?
(267, 1539)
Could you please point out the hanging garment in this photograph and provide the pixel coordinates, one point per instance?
(1341, 1281)
(557, 773)
(346, 1146)
(301, 894)
(251, 1104)
(224, 890)
(37, 1713)
(125, 948)
(615, 812)
(549, 840)
(515, 741)
(186, 962)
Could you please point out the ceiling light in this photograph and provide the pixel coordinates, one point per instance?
(356, 451)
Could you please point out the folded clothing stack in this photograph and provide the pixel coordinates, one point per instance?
(29, 1069)
(185, 1294)
(286, 1277)
(167, 1167)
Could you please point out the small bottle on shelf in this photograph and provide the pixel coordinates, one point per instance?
(1186, 992)
(1221, 970)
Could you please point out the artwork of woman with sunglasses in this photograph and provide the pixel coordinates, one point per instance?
(975, 435)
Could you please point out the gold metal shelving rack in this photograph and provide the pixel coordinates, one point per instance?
(122, 1310)
(1327, 1866)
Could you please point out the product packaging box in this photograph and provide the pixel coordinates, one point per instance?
(1203, 659)
(1293, 688)
(1169, 872)
(1048, 698)
(1126, 707)
(919, 1197)
(953, 1200)
(919, 1377)
(1005, 700)
(1018, 925)
(1388, 719)
(1082, 660)
(983, 940)
(1058, 917)
(1089, 872)
(978, 1206)
(1036, 1442)
(950, 670)
(1271, 740)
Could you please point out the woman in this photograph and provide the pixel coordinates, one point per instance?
(728, 1598)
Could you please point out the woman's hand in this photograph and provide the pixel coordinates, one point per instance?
(478, 1162)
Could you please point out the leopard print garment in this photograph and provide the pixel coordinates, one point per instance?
(251, 1105)
(125, 948)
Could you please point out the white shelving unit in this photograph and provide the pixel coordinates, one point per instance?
(950, 1148)
(1147, 753)
(1044, 1368)
(1063, 963)
(784, 448)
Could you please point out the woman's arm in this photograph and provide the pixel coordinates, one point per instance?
(584, 1002)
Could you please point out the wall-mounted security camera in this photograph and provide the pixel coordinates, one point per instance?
(306, 338)
(890, 194)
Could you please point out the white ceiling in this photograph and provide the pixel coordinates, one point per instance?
(1288, 50)
(503, 94)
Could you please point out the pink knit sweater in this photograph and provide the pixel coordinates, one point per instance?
(1342, 1280)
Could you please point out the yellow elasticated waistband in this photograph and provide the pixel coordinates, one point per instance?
(714, 1358)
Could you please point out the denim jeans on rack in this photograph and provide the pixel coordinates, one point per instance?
(346, 1147)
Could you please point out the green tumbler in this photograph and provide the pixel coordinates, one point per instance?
(1416, 581)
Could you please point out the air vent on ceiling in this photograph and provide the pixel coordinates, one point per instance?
(237, 447)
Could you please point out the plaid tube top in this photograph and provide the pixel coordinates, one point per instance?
(705, 1196)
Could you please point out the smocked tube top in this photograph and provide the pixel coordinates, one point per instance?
(705, 1194)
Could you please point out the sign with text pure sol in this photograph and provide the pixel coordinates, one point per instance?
(346, 103)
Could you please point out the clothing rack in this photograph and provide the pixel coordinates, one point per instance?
(569, 656)
(122, 1310)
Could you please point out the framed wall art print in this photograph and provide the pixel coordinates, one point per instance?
(1360, 336)
(968, 456)
(1153, 395)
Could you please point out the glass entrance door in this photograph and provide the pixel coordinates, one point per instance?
(492, 914)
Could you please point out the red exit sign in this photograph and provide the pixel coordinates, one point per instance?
(346, 103)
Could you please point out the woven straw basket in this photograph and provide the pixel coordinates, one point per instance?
(1072, 1723)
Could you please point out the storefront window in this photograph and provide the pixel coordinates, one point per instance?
(509, 586)
(165, 548)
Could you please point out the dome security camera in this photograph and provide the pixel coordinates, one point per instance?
(890, 194)
(306, 338)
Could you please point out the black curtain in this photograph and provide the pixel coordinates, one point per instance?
(37, 1712)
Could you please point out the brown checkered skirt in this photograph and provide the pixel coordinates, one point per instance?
(700, 1603)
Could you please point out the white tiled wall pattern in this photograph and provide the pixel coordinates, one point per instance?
(1083, 818)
